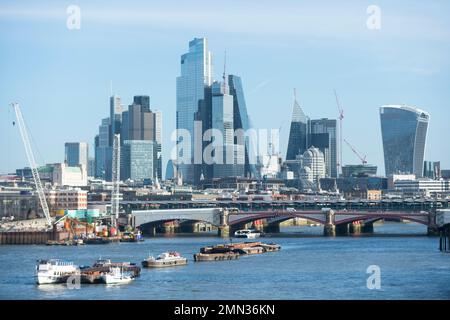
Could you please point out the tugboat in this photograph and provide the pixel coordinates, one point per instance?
(54, 271)
(247, 233)
(117, 276)
(166, 259)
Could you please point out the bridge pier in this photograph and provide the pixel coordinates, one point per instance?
(354, 228)
(224, 231)
(329, 228)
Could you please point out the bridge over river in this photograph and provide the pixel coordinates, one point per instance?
(334, 221)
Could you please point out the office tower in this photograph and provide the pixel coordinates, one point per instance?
(103, 151)
(322, 134)
(91, 167)
(125, 128)
(204, 117)
(297, 143)
(404, 131)
(143, 101)
(137, 160)
(196, 73)
(115, 116)
(231, 160)
(140, 123)
(241, 121)
(432, 169)
(77, 153)
(158, 138)
(313, 168)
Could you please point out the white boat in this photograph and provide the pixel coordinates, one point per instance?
(116, 275)
(54, 271)
(166, 259)
(247, 233)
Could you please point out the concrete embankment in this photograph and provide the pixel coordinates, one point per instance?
(30, 237)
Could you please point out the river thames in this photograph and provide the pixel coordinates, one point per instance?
(309, 266)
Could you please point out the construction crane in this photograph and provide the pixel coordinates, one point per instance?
(341, 118)
(32, 162)
(361, 157)
(115, 180)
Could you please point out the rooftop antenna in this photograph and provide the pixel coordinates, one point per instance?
(224, 66)
(225, 86)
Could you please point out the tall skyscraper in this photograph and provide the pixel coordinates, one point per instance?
(103, 151)
(322, 134)
(298, 133)
(115, 116)
(196, 73)
(241, 121)
(77, 153)
(231, 160)
(404, 131)
(140, 123)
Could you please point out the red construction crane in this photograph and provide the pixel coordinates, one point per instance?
(362, 158)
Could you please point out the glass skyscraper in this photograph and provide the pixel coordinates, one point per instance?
(404, 131)
(298, 133)
(196, 73)
(322, 135)
(76, 153)
(241, 121)
(115, 116)
(137, 160)
(103, 151)
(222, 120)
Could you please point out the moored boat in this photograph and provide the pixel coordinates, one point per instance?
(247, 233)
(269, 247)
(166, 259)
(54, 271)
(117, 275)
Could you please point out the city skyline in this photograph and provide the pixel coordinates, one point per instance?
(418, 81)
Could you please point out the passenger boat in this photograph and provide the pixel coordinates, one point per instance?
(166, 259)
(247, 233)
(54, 271)
(117, 276)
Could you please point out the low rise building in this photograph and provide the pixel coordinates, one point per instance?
(70, 199)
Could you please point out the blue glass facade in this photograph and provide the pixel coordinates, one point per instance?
(298, 133)
(137, 160)
(241, 121)
(404, 131)
(196, 73)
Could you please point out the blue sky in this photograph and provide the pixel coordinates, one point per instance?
(61, 77)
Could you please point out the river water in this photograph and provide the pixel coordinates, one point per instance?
(309, 266)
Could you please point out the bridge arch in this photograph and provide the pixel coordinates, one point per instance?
(148, 217)
(371, 218)
(268, 215)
